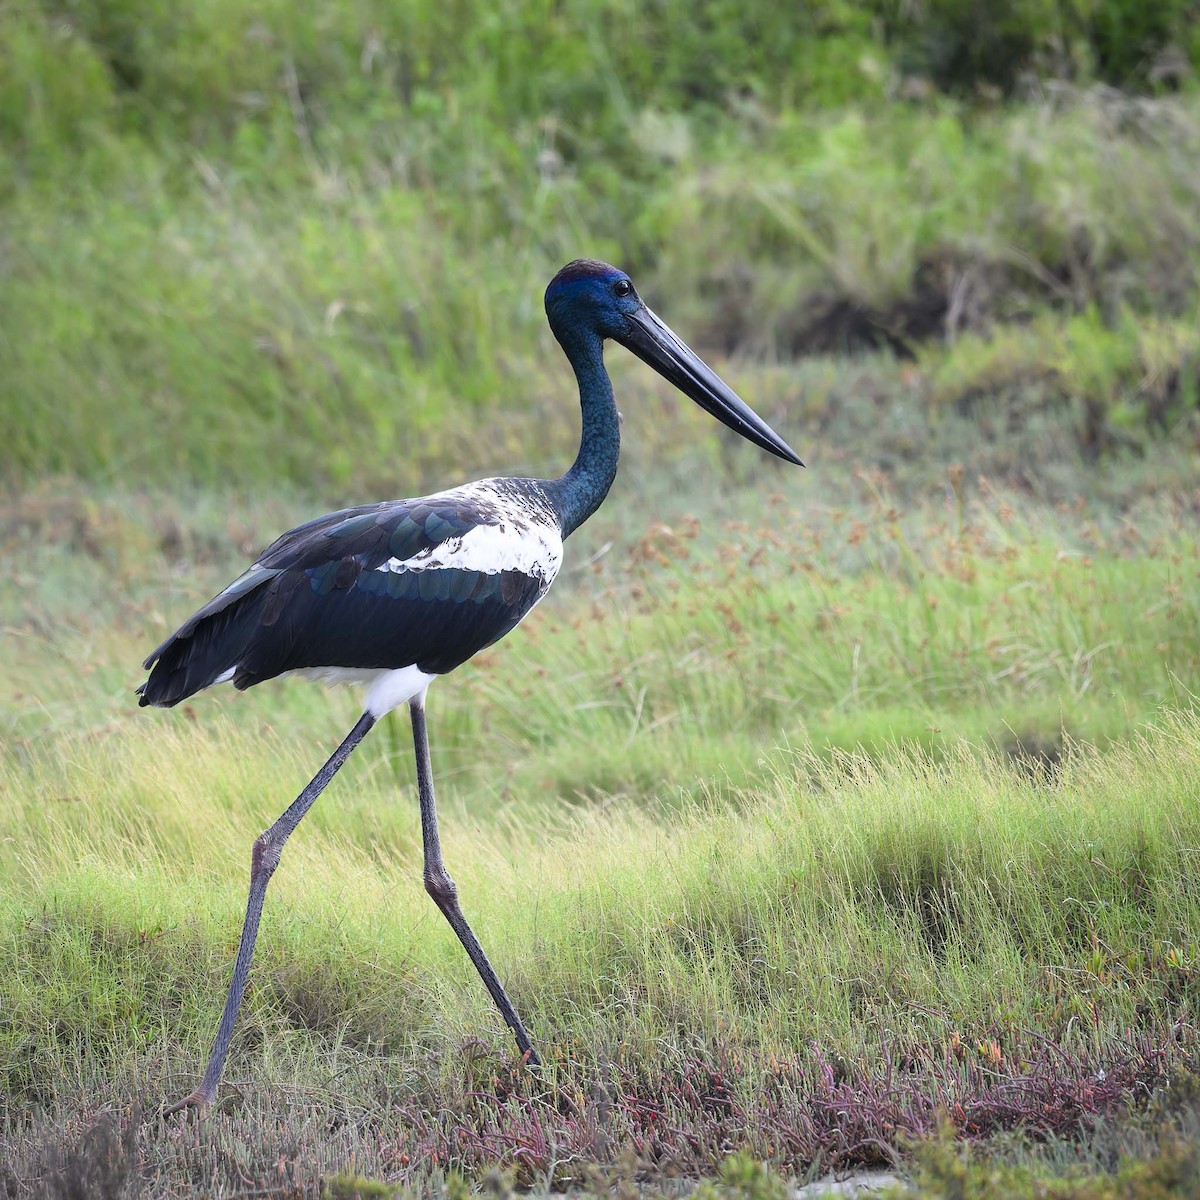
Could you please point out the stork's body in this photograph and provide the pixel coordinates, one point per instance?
(393, 595)
(387, 595)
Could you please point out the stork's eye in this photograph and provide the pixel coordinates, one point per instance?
(622, 287)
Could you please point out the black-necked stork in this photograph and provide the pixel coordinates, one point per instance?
(393, 595)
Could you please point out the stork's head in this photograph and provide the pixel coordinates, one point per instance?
(588, 298)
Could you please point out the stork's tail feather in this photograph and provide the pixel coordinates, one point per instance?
(197, 657)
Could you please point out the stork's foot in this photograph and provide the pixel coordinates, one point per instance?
(196, 1101)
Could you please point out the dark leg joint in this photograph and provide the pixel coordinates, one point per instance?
(441, 887)
(264, 856)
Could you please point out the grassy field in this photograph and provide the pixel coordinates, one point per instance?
(336, 223)
(849, 817)
(817, 819)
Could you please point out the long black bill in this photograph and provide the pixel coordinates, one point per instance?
(658, 347)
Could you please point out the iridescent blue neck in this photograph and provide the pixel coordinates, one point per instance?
(582, 489)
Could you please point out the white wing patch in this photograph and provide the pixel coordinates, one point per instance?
(521, 539)
(490, 549)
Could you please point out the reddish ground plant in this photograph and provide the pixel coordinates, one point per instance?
(687, 1116)
(680, 1118)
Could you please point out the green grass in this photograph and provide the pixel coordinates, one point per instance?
(960, 901)
(931, 777)
(246, 237)
(1131, 1159)
(671, 660)
(140, 318)
(952, 894)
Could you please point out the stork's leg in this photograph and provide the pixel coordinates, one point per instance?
(264, 858)
(444, 890)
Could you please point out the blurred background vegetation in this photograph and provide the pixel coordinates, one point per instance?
(252, 240)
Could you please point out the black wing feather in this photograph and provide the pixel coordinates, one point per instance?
(405, 618)
(316, 597)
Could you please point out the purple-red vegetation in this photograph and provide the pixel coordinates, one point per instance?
(688, 1117)
(595, 1125)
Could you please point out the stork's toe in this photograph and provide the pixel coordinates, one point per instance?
(197, 1101)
